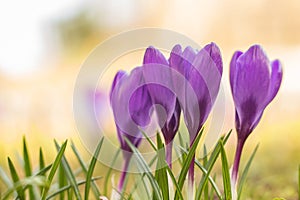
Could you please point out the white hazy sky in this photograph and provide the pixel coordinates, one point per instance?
(21, 36)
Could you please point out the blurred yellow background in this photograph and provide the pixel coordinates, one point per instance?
(43, 43)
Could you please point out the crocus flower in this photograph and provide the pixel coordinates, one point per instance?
(254, 82)
(130, 102)
(158, 76)
(203, 71)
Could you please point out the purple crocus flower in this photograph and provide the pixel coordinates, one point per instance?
(202, 71)
(254, 82)
(130, 102)
(158, 76)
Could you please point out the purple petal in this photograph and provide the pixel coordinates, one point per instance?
(127, 92)
(158, 79)
(170, 128)
(276, 78)
(117, 78)
(153, 55)
(205, 77)
(252, 79)
(233, 66)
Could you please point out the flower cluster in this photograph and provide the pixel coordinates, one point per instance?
(188, 82)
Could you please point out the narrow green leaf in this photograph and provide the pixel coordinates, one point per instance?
(16, 179)
(41, 159)
(174, 182)
(204, 171)
(204, 164)
(110, 171)
(5, 179)
(186, 164)
(62, 181)
(54, 168)
(91, 170)
(161, 173)
(69, 174)
(211, 194)
(142, 163)
(142, 177)
(149, 140)
(28, 181)
(95, 190)
(210, 164)
(225, 174)
(68, 187)
(43, 171)
(245, 172)
(27, 166)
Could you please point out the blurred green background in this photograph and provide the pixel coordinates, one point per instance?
(43, 43)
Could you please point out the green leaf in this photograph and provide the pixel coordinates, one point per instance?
(225, 174)
(16, 179)
(91, 170)
(186, 163)
(110, 171)
(204, 164)
(26, 182)
(41, 159)
(174, 182)
(43, 171)
(62, 181)
(142, 177)
(211, 194)
(161, 172)
(204, 171)
(149, 140)
(69, 173)
(245, 172)
(145, 168)
(54, 168)
(27, 166)
(68, 187)
(96, 192)
(5, 179)
(209, 166)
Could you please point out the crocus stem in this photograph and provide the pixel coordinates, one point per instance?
(237, 158)
(191, 179)
(124, 173)
(169, 147)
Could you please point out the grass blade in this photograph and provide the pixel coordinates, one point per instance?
(206, 194)
(69, 174)
(16, 179)
(110, 171)
(245, 172)
(68, 187)
(225, 174)
(211, 180)
(27, 167)
(91, 170)
(149, 140)
(186, 164)
(5, 179)
(84, 169)
(161, 173)
(41, 159)
(145, 169)
(54, 168)
(210, 164)
(174, 182)
(62, 181)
